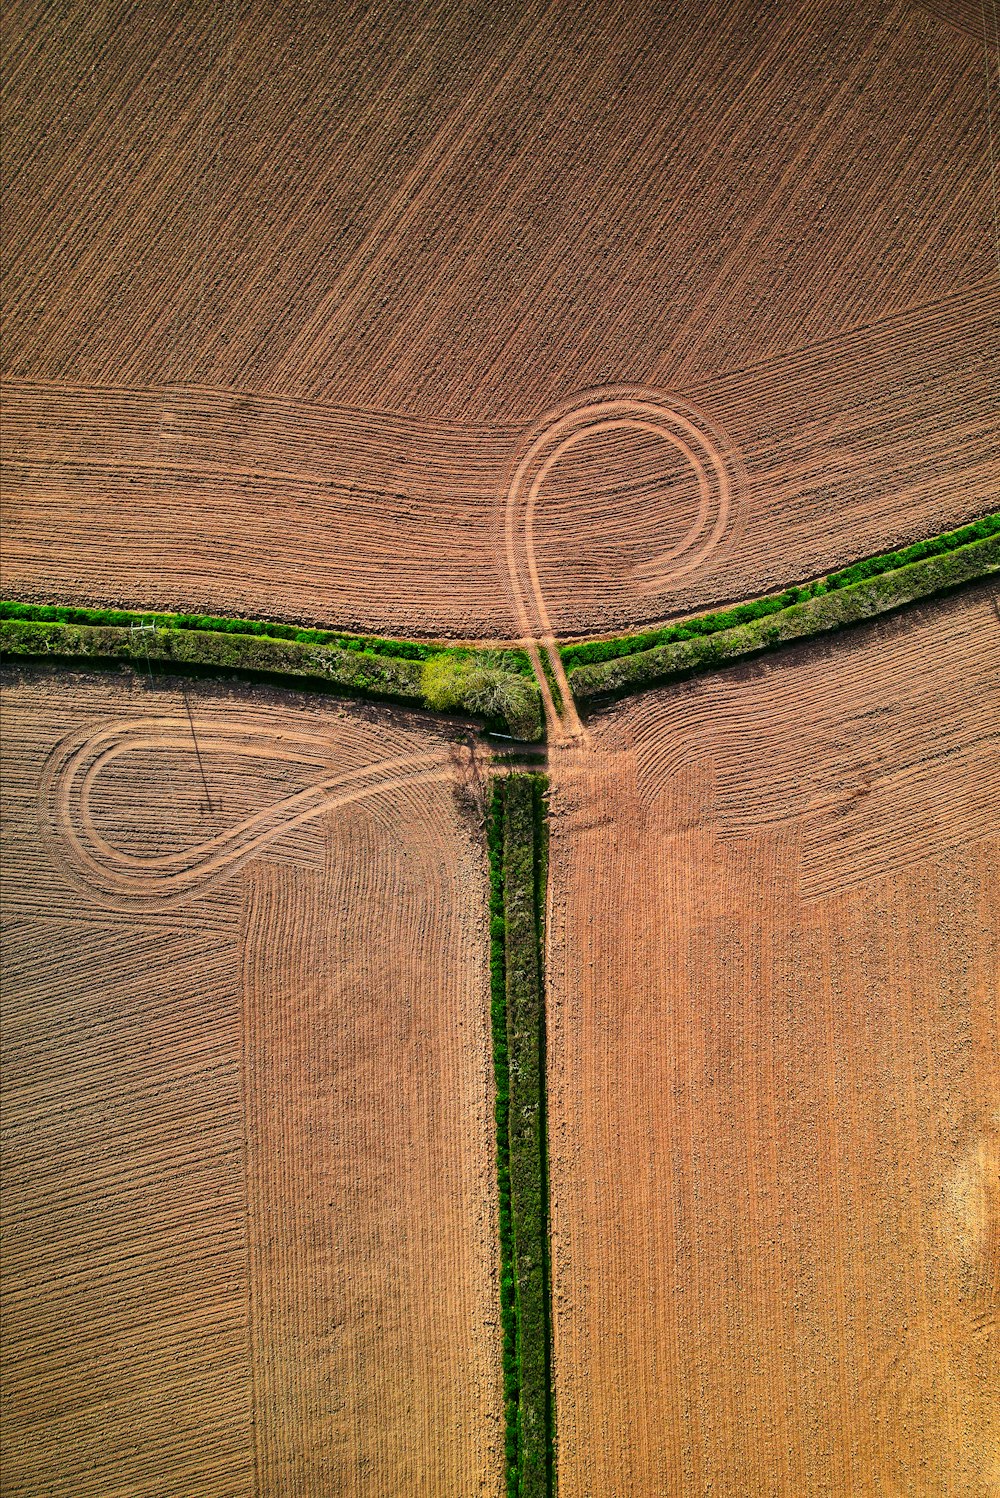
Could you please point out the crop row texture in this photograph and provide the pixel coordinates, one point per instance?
(518, 862)
(851, 602)
(593, 652)
(479, 683)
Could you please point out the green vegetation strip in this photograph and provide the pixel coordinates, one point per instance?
(495, 686)
(858, 593)
(594, 652)
(518, 850)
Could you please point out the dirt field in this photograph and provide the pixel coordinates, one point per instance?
(248, 1207)
(773, 1091)
(237, 237)
(480, 321)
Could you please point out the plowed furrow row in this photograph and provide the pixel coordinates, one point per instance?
(774, 981)
(249, 1241)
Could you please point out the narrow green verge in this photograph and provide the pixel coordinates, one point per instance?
(501, 1071)
(594, 652)
(691, 649)
(550, 677)
(518, 865)
(414, 650)
(485, 684)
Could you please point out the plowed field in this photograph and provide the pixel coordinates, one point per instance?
(499, 321)
(290, 292)
(248, 1223)
(773, 1088)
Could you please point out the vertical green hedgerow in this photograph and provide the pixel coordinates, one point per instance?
(498, 1012)
(522, 869)
(518, 865)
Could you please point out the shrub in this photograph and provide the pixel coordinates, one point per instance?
(414, 650)
(501, 1070)
(485, 684)
(199, 651)
(478, 684)
(517, 859)
(524, 870)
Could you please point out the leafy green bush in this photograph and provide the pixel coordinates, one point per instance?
(479, 684)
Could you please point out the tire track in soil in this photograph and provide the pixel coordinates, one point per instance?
(129, 882)
(581, 418)
(354, 1225)
(774, 1229)
(269, 1169)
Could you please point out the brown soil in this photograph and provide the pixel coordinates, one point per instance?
(496, 321)
(977, 19)
(773, 1081)
(237, 237)
(248, 1220)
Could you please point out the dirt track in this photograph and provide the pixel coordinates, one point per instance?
(248, 1229)
(772, 1091)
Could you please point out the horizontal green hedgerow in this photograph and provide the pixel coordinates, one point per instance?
(414, 650)
(847, 604)
(504, 698)
(592, 652)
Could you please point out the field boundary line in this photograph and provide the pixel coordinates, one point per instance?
(690, 649)
(490, 686)
(493, 685)
(518, 860)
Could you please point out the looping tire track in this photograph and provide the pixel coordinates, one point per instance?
(702, 446)
(125, 882)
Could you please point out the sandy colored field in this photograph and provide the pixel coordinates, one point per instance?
(238, 237)
(248, 1222)
(774, 1097)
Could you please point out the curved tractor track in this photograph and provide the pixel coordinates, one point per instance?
(126, 882)
(702, 447)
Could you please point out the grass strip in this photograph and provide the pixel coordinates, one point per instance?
(414, 650)
(594, 652)
(550, 677)
(524, 867)
(838, 607)
(480, 683)
(501, 1071)
(518, 856)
